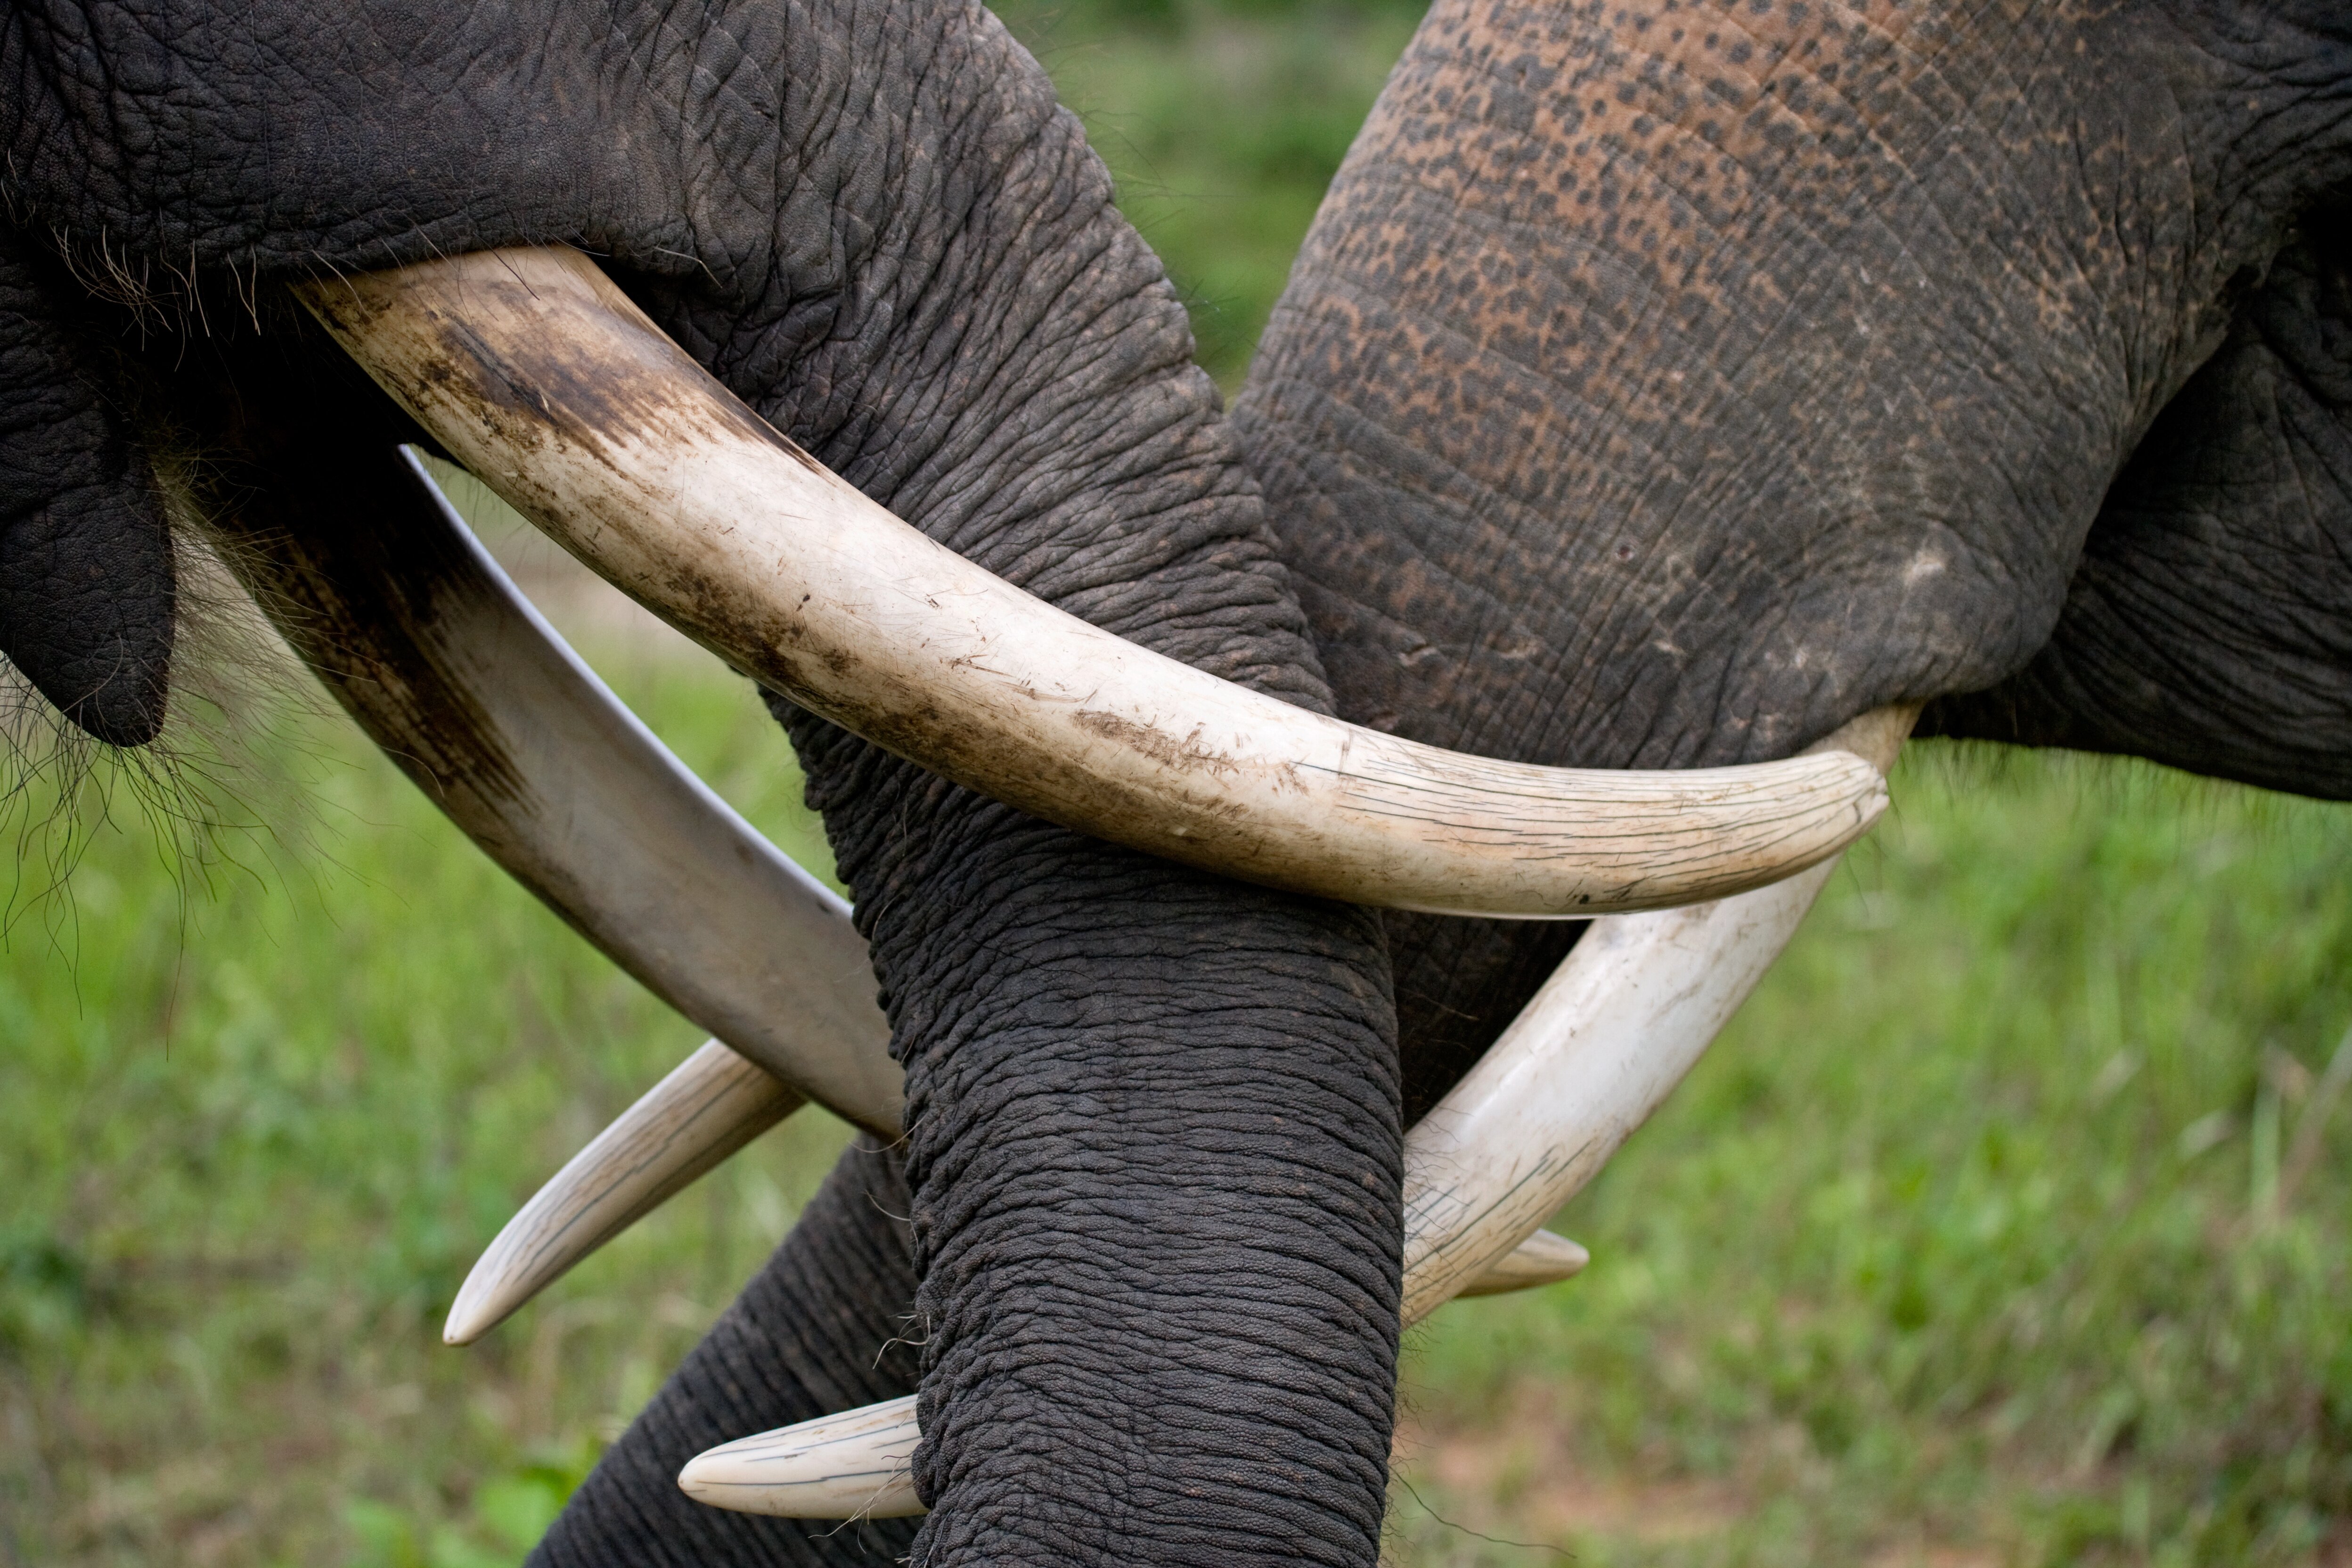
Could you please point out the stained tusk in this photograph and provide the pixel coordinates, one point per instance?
(418, 633)
(711, 1105)
(542, 377)
(1626, 1014)
(1542, 1259)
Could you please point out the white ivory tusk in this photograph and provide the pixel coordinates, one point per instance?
(423, 637)
(709, 1106)
(851, 1466)
(542, 377)
(1542, 1259)
(1625, 1015)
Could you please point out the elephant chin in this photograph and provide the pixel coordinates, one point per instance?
(537, 373)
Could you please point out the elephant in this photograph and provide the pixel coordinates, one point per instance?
(1663, 385)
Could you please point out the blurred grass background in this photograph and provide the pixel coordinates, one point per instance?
(2008, 1224)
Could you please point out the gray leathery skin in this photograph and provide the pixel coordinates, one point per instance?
(1662, 385)
(1155, 1147)
(2210, 623)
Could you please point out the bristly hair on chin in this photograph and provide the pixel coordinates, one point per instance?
(223, 791)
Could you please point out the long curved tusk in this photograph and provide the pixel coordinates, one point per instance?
(709, 1106)
(420, 635)
(542, 377)
(1626, 1014)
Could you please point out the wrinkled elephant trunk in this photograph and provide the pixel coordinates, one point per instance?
(1154, 1148)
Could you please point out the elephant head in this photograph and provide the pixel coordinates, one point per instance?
(1663, 385)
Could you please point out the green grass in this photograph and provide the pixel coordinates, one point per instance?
(2003, 1223)
(2007, 1220)
(257, 1115)
(2007, 1225)
(1222, 125)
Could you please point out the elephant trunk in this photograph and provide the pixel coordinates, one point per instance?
(1152, 1151)
(1153, 1140)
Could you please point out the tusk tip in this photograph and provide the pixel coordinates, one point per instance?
(1543, 1259)
(471, 1316)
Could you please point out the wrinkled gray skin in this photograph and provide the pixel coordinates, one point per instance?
(1661, 385)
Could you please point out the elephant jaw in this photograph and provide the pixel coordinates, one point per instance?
(545, 379)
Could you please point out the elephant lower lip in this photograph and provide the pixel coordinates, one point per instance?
(538, 371)
(87, 601)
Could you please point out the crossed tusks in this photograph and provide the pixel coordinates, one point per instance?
(542, 378)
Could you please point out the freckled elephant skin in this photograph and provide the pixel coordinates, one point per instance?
(1661, 384)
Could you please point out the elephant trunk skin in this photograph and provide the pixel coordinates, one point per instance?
(1152, 1135)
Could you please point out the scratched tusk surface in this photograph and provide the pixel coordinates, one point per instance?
(855, 1465)
(420, 635)
(541, 376)
(1625, 1015)
(709, 1106)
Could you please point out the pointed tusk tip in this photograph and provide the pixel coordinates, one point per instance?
(471, 1316)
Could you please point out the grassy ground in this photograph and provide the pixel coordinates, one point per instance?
(260, 1114)
(2009, 1223)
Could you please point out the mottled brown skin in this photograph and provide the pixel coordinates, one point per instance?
(1663, 384)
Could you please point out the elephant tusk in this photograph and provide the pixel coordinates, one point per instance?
(541, 376)
(857, 1465)
(709, 1106)
(1542, 1259)
(1625, 1015)
(420, 635)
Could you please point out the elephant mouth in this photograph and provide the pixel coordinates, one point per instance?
(540, 376)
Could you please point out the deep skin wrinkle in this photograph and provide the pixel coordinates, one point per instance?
(1152, 1166)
